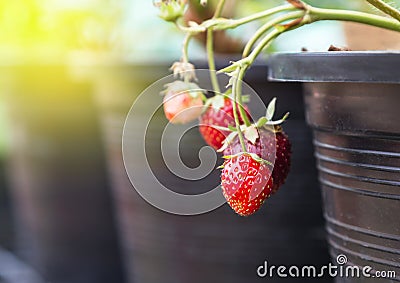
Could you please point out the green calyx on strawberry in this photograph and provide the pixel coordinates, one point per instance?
(183, 102)
(265, 143)
(218, 115)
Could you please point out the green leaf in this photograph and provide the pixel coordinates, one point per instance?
(218, 101)
(251, 134)
(255, 157)
(232, 128)
(219, 128)
(233, 75)
(280, 28)
(229, 69)
(280, 121)
(221, 166)
(259, 159)
(271, 109)
(194, 93)
(227, 141)
(246, 98)
(227, 93)
(261, 122)
(233, 155)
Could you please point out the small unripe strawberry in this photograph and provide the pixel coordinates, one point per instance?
(183, 102)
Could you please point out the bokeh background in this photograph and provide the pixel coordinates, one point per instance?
(69, 71)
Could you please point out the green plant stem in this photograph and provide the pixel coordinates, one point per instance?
(238, 99)
(386, 8)
(224, 24)
(219, 9)
(267, 26)
(185, 47)
(262, 45)
(185, 52)
(210, 49)
(260, 15)
(319, 14)
(316, 14)
(211, 60)
(190, 29)
(235, 102)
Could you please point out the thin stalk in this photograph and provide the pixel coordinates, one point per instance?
(185, 47)
(386, 8)
(235, 112)
(190, 29)
(260, 15)
(242, 111)
(223, 24)
(219, 9)
(316, 14)
(211, 60)
(210, 49)
(267, 26)
(263, 44)
(319, 14)
(185, 56)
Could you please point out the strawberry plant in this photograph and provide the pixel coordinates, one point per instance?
(257, 152)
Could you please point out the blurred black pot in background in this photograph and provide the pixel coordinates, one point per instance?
(64, 220)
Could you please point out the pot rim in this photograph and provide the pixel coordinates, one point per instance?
(335, 66)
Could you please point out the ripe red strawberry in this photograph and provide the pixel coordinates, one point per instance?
(219, 113)
(265, 146)
(183, 102)
(283, 159)
(246, 183)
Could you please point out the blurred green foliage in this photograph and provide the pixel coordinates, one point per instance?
(59, 25)
(248, 7)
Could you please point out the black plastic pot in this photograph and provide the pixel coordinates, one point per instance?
(218, 246)
(64, 219)
(6, 235)
(352, 104)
